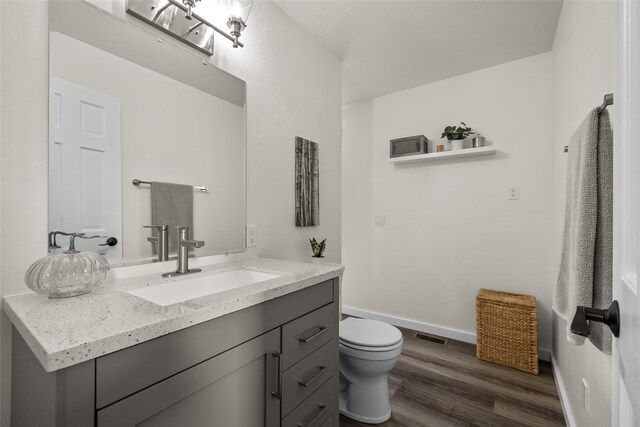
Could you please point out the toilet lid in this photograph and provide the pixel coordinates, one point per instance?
(368, 333)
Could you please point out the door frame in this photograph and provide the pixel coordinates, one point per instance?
(627, 158)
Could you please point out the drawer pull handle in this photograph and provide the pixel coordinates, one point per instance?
(278, 393)
(313, 379)
(323, 409)
(306, 340)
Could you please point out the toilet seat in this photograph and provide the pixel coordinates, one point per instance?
(371, 349)
(369, 335)
(370, 353)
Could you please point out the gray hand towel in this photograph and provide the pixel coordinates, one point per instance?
(586, 268)
(172, 205)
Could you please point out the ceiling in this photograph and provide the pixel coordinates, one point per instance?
(392, 45)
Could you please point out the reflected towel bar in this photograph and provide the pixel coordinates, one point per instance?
(137, 182)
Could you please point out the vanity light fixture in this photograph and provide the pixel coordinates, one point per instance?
(189, 4)
(179, 19)
(239, 10)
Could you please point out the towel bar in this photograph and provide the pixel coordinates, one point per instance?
(606, 101)
(137, 182)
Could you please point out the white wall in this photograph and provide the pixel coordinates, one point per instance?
(450, 228)
(23, 153)
(583, 71)
(357, 193)
(293, 89)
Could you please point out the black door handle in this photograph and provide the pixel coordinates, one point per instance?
(111, 241)
(609, 316)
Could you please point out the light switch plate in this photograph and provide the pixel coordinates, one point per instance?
(252, 236)
(379, 220)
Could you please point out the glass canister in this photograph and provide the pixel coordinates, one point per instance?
(67, 274)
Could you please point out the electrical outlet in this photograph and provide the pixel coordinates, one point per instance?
(585, 396)
(379, 220)
(514, 192)
(252, 236)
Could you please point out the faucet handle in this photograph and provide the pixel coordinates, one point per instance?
(157, 227)
(183, 231)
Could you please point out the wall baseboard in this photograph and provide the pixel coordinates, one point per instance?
(429, 328)
(562, 392)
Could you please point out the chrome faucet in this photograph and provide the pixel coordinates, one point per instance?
(162, 240)
(183, 253)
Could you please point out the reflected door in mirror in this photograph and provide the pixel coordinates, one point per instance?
(85, 166)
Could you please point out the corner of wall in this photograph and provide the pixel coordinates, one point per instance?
(584, 41)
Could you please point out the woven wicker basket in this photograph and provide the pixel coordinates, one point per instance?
(507, 328)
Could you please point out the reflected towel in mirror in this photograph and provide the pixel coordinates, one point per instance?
(172, 205)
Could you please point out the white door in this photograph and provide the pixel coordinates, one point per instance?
(626, 349)
(84, 166)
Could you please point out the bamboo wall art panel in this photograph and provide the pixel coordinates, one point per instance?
(307, 183)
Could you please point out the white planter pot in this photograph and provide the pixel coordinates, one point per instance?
(315, 260)
(457, 144)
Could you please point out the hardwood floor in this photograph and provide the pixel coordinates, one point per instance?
(446, 385)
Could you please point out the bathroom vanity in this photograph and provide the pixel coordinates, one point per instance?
(265, 353)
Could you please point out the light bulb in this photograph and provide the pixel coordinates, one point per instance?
(240, 9)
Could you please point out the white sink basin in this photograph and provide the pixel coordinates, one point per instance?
(200, 286)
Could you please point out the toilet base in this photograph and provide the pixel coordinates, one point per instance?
(362, 419)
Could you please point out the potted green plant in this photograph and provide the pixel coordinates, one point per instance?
(317, 249)
(457, 134)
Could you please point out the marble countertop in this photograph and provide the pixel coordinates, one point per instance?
(64, 332)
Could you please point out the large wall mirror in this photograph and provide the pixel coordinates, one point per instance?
(126, 104)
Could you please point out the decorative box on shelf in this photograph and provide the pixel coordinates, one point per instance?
(408, 146)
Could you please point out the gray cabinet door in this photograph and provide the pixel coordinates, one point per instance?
(234, 388)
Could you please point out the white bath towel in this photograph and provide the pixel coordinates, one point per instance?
(586, 269)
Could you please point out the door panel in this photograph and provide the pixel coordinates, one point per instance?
(232, 389)
(626, 349)
(85, 166)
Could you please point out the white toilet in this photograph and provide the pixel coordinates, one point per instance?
(369, 349)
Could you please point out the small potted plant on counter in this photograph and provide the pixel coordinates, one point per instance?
(456, 135)
(317, 249)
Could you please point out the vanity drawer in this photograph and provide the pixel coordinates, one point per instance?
(306, 376)
(314, 411)
(308, 333)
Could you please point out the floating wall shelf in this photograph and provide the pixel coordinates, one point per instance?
(466, 152)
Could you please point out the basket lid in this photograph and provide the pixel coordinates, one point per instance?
(508, 298)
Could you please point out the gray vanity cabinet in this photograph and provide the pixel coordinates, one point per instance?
(271, 364)
(208, 393)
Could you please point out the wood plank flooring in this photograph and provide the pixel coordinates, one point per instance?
(446, 385)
